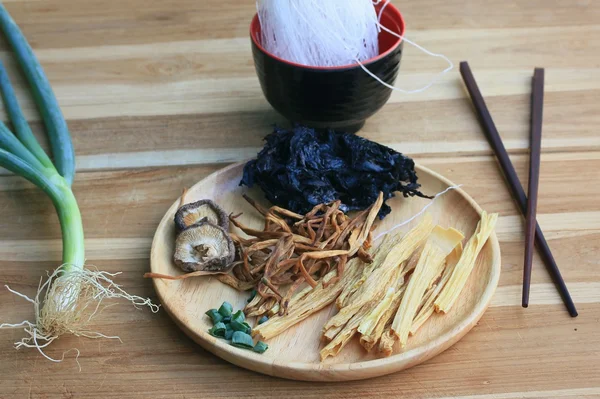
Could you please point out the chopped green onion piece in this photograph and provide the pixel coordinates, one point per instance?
(226, 319)
(242, 340)
(252, 295)
(228, 333)
(226, 309)
(238, 316)
(214, 315)
(218, 330)
(260, 347)
(263, 319)
(240, 326)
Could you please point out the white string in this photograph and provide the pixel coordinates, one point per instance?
(422, 211)
(380, 12)
(421, 89)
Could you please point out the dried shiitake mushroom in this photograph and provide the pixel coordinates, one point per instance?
(204, 246)
(190, 214)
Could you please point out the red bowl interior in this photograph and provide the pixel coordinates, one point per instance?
(391, 19)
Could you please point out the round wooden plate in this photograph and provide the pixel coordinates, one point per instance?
(295, 353)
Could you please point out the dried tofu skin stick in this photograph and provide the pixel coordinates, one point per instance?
(426, 297)
(376, 294)
(295, 299)
(383, 276)
(274, 310)
(379, 255)
(313, 301)
(431, 263)
(427, 310)
(466, 263)
(370, 340)
(412, 261)
(387, 342)
(319, 298)
(332, 332)
(368, 324)
(345, 335)
(299, 295)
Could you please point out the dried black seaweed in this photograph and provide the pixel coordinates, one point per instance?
(300, 168)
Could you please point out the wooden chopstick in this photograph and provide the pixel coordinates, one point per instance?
(537, 105)
(514, 184)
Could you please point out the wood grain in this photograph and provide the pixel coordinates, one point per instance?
(159, 94)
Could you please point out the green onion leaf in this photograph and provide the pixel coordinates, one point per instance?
(252, 295)
(238, 316)
(263, 319)
(242, 340)
(240, 326)
(58, 133)
(10, 143)
(248, 327)
(260, 347)
(19, 122)
(218, 330)
(214, 315)
(226, 309)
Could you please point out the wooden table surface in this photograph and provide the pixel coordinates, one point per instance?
(158, 94)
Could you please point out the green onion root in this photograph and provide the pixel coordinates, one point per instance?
(66, 303)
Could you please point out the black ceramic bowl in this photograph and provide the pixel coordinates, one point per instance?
(340, 98)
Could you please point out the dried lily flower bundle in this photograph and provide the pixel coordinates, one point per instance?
(294, 250)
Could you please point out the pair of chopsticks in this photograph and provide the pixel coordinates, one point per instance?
(528, 206)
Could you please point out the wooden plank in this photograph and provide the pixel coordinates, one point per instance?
(132, 142)
(154, 21)
(131, 202)
(484, 362)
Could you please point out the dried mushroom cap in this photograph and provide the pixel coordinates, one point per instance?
(190, 214)
(203, 247)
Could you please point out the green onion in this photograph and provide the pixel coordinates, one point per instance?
(218, 330)
(238, 316)
(226, 309)
(263, 319)
(242, 340)
(214, 315)
(228, 333)
(240, 326)
(260, 347)
(60, 310)
(252, 295)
